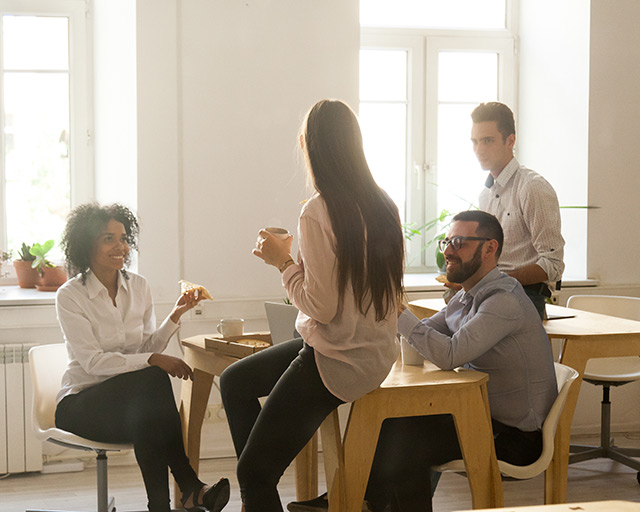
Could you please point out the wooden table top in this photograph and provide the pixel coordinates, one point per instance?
(582, 324)
(429, 375)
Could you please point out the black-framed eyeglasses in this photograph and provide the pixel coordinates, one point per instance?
(456, 241)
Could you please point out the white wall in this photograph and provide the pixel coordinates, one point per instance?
(553, 121)
(222, 89)
(614, 132)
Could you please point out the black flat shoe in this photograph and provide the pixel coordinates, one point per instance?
(213, 500)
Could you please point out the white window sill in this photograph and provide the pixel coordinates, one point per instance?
(13, 295)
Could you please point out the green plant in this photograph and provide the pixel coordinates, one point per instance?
(5, 255)
(24, 253)
(39, 251)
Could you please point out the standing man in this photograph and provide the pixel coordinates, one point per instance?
(524, 203)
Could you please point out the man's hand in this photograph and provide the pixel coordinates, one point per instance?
(174, 366)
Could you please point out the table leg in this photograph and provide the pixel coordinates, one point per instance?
(555, 478)
(473, 426)
(306, 468)
(194, 397)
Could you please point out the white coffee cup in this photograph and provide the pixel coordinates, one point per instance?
(231, 327)
(280, 233)
(410, 356)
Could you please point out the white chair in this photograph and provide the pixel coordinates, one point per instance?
(48, 363)
(607, 372)
(565, 377)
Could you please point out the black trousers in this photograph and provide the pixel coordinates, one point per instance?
(135, 407)
(401, 478)
(268, 438)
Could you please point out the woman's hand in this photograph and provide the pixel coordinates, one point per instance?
(273, 250)
(185, 302)
(174, 366)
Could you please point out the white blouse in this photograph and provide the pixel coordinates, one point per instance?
(354, 352)
(104, 340)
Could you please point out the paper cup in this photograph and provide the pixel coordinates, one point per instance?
(410, 356)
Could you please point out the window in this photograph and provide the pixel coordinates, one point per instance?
(418, 87)
(44, 100)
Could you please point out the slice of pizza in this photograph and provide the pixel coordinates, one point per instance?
(186, 286)
(442, 278)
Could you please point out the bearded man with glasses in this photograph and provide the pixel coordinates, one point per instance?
(490, 325)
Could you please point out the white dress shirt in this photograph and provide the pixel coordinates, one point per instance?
(354, 352)
(527, 208)
(104, 340)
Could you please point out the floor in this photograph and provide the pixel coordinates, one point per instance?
(588, 481)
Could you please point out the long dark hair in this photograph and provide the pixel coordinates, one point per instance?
(85, 224)
(365, 221)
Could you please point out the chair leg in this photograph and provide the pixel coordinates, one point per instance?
(102, 475)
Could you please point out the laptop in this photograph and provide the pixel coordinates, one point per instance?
(282, 321)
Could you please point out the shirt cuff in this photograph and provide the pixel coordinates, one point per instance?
(407, 323)
(138, 361)
(167, 329)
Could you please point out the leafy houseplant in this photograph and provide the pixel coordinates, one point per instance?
(4, 256)
(52, 276)
(27, 275)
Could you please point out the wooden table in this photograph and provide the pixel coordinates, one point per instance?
(590, 506)
(586, 336)
(193, 407)
(413, 391)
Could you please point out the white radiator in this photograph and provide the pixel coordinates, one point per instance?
(20, 450)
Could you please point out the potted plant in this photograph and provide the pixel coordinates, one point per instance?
(4, 256)
(52, 275)
(27, 275)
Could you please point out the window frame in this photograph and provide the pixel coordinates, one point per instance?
(80, 96)
(422, 46)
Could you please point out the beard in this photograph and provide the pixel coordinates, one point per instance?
(464, 270)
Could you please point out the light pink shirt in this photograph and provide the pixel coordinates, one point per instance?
(354, 352)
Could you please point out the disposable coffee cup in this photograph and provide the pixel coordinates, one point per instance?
(231, 327)
(410, 356)
(280, 233)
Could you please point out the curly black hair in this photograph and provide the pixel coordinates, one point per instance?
(85, 224)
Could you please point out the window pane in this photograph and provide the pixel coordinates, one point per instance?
(383, 75)
(384, 129)
(467, 77)
(460, 178)
(472, 14)
(36, 156)
(32, 43)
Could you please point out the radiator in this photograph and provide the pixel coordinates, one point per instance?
(20, 450)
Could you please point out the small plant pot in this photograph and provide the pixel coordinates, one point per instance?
(28, 276)
(52, 279)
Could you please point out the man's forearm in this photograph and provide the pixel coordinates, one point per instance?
(530, 274)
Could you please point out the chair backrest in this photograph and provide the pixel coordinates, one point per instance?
(47, 363)
(565, 377)
(623, 307)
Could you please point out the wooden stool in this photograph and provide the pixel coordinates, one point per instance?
(412, 391)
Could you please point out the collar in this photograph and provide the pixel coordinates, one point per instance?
(507, 173)
(492, 275)
(95, 287)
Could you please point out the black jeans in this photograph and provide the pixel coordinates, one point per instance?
(268, 438)
(401, 477)
(135, 407)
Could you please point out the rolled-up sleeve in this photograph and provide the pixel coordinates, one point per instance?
(312, 283)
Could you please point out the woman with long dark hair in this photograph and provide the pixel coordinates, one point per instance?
(346, 282)
(116, 387)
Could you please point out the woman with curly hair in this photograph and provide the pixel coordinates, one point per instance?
(116, 387)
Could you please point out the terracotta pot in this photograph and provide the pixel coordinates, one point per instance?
(52, 279)
(27, 276)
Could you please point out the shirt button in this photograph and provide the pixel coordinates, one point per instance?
(497, 196)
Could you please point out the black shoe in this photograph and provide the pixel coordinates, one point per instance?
(314, 505)
(213, 500)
